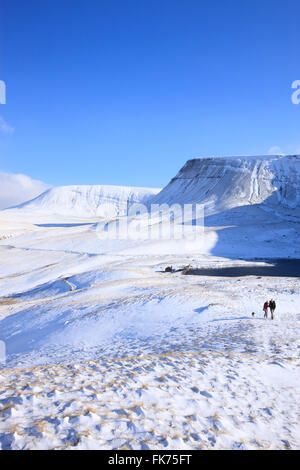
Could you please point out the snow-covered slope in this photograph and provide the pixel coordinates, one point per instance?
(100, 348)
(222, 183)
(88, 201)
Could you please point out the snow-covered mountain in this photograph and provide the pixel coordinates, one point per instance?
(222, 183)
(233, 186)
(87, 201)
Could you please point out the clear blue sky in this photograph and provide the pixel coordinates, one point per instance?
(125, 91)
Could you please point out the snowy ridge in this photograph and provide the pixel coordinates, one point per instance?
(226, 182)
(88, 201)
(221, 183)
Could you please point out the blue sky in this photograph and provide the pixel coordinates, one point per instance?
(125, 91)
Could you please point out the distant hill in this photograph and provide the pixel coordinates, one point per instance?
(87, 201)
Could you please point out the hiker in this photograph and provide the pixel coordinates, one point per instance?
(265, 309)
(272, 305)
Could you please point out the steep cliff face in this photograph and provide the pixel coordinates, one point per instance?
(225, 182)
(286, 172)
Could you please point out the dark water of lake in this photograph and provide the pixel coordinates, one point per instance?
(275, 268)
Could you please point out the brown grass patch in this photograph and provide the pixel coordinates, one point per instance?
(7, 301)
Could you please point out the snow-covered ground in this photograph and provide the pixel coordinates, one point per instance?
(105, 350)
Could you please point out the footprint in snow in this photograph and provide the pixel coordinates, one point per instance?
(138, 410)
(121, 412)
(6, 441)
(11, 401)
(71, 437)
(195, 436)
(267, 411)
(205, 394)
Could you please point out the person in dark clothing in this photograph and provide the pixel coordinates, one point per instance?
(272, 305)
(265, 309)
